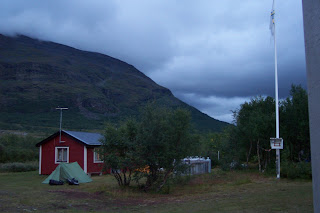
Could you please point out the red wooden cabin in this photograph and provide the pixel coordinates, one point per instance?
(74, 146)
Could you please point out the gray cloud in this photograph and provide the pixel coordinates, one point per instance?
(220, 108)
(211, 54)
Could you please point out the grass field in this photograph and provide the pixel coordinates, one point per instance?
(241, 191)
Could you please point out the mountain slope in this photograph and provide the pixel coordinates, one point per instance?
(37, 76)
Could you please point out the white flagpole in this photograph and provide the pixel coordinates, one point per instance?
(276, 96)
(277, 107)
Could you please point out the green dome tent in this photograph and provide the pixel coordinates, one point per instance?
(68, 171)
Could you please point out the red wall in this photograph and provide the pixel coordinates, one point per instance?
(76, 151)
(47, 157)
(93, 167)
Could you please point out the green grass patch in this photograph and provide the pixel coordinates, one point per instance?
(216, 192)
(242, 181)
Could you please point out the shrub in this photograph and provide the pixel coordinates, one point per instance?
(17, 148)
(225, 165)
(157, 142)
(19, 167)
(300, 170)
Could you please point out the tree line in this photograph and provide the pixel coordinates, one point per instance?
(248, 140)
(149, 150)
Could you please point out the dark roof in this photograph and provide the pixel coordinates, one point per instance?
(87, 138)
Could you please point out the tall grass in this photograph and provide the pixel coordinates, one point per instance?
(19, 167)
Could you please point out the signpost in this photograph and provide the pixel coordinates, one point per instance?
(276, 143)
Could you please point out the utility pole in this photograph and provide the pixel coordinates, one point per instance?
(61, 108)
(311, 17)
(273, 32)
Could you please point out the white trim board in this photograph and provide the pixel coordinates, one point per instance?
(40, 159)
(85, 159)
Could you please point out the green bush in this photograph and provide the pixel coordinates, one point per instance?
(19, 167)
(18, 148)
(225, 166)
(300, 170)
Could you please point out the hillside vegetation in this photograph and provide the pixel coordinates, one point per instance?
(37, 76)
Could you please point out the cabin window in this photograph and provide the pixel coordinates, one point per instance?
(97, 156)
(62, 154)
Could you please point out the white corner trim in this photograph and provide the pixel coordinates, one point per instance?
(56, 151)
(85, 160)
(40, 159)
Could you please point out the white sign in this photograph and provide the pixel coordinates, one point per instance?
(276, 143)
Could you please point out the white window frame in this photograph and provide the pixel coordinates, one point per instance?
(56, 154)
(94, 157)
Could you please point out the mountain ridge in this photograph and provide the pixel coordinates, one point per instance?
(37, 76)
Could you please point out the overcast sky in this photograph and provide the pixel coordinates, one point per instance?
(212, 54)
